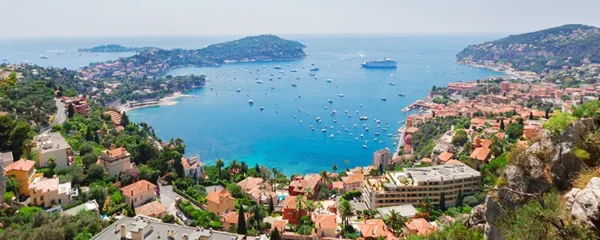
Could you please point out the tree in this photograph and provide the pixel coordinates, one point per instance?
(514, 131)
(271, 206)
(530, 115)
(324, 176)
(346, 211)
(459, 198)
(178, 166)
(471, 201)
(124, 119)
(460, 138)
(396, 222)
(275, 235)
(501, 124)
(95, 173)
(70, 110)
(241, 224)
(220, 165)
(168, 218)
(13, 185)
(442, 204)
(19, 136)
(98, 193)
(346, 162)
(334, 168)
(89, 159)
(86, 148)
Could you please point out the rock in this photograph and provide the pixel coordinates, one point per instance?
(584, 203)
(565, 165)
(477, 215)
(492, 212)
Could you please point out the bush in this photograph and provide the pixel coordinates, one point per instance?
(351, 195)
(460, 138)
(471, 201)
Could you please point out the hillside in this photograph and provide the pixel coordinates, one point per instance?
(262, 47)
(113, 48)
(553, 48)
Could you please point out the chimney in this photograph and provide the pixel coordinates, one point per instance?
(123, 233)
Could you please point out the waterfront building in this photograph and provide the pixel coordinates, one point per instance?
(291, 212)
(138, 193)
(382, 157)
(300, 185)
(115, 161)
(53, 146)
(413, 184)
(193, 167)
(22, 171)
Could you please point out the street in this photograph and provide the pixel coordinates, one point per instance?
(61, 113)
(168, 196)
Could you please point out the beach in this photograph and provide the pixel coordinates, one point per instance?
(166, 101)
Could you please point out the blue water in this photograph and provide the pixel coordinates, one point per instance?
(219, 123)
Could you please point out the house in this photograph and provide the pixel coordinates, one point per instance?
(6, 158)
(480, 156)
(220, 202)
(444, 157)
(478, 142)
(90, 205)
(339, 186)
(115, 117)
(22, 171)
(193, 167)
(258, 189)
(289, 210)
(47, 192)
(531, 131)
(325, 225)
(353, 182)
(230, 219)
(152, 209)
(115, 161)
(53, 146)
(279, 225)
(138, 193)
(419, 226)
(302, 184)
(373, 229)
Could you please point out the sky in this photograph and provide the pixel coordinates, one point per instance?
(88, 18)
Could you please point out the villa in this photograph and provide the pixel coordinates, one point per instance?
(353, 182)
(290, 211)
(257, 189)
(115, 161)
(300, 185)
(193, 167)
(47, 192)
(373, 229)
(230, 219)
(152, 209)
(22, 171)
(325, 225)
(220, 202)
(139, 193)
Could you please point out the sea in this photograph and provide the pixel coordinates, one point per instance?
(280, 129)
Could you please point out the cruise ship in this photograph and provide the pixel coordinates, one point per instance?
(383, 63)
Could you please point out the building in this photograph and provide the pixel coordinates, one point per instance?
(373, 229)
(220, 202)
(353, 182)
(193, 167)
(6, 158)
(444, 157)
(90, 205)
(53, 145)
(408, 135)
(115, 117)
(47, 192)
(115, 161)
(302, 184)
(419, 226)
(152, 209)
(406, 210)
(230, 219)
(289, 210)
(382, 157)
(480, 156)
(413, 184)
(531, 131)
(258, 190)
(22, 171)
(139, 192)
(146, 228)
(325, 225)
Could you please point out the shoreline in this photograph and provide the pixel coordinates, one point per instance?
(165, 101)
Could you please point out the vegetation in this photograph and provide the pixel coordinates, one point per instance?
(455, 231)
(14, 134)
(113, 48)
(422, 140)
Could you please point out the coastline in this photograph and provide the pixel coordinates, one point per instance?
(165, 101)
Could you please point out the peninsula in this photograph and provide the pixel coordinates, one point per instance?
(157, 62)
(113, 48)
(542, 51)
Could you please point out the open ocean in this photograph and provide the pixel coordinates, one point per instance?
(219, 123)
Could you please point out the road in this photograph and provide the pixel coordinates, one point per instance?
(61, 113)
(168, 196)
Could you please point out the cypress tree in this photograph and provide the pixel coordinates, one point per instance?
(124, 119)
(271, 206)
(530, 115)
(275, 235)
(502, 124)
(442, 202)
(459, 198)
(241, 226)
(70, 111)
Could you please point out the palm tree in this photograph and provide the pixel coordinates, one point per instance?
(396, 222)
(324, 176)
(308, 192)
(220, 164)
(334, 168)
(275, 172)
(347, 162)
(299, 206)
(243, 167)
(234, 165)
(346, 211)
(310, 206)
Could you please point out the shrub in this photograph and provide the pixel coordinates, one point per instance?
(471, 201)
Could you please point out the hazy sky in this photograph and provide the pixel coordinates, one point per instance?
(20, 18)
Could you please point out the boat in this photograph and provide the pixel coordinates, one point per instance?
(341, 95)
(272, 87)
(377, 121)
(277, 67)
(329, 101)
(364, 146)
(294, 70)
(329, 80)
(367, 129)
(331, 136)
(362, 118)
(294, 85)
(262, 108)
(238, 90)
(251, 102)
(392, 84)
(43, 56)
(333, 112)
(324, 130)
(318, 119)
(259, 81)
(314, 69)
(383, 63)
(383, 99)
(377, 134)
(401, 94)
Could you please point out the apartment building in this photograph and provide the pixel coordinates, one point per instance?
(47, 192)
(115, 161)
(53, 146)
(23, 172)
(382, 157)
(414, 184)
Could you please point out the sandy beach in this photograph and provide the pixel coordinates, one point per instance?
(166, 101)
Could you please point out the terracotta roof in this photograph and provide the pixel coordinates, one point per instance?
(151, 209)
(420, 226)
(426, 160)
(191, 162)
(279, 224)
(137, 188)
(453, 162)
(290, 202)
(375, 228)
(21, 165)
(338, 185)
(309, 181)
(480, 153)
(486, 143)
(324, 221)
(353, 178)
(45, 185)
(500, 135)
(412, 130)
(216, 196)
(250, 183)
(445, 156)
(232, 217)
(116, 152)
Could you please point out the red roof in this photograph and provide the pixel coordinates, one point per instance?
(445, 156)
(137, 188)
(216, 196)
(480, 153)
(21, 165)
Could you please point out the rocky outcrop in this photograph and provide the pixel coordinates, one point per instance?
(584, 203)
(492, 212)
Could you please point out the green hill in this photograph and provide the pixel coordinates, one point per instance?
(568, 45)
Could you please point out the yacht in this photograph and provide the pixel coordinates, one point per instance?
(251, 102)
(331, 136)
(294, 70)
(377, 134)
(401, 94)
(259, 81)
(318, 119)
(277, 67)
(272, 87)
(341, 95)
(43, 56)
(314, 69)
(392, 84)
(383, 99)
(294, 85)
(364, 146)
(329, 101)
(262, 108)
(238, 90)
(324, 130)
(333, 112)
(362, 118)
(329, 80)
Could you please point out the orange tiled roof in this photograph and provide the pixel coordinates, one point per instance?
(216, 196)
(420, 226)
(309, 181)
(412, 130)
(354, 178)
(137, 188)
(445, 156)
(324, 221)
(290, 202)
(480, 153)
(375, 228)
(453, 162)
(426, 160)
(151, 209)
(232, 217)
(279, 224)
(21, 165)
(338, 185)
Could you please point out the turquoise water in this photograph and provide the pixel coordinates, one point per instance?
(219, 124)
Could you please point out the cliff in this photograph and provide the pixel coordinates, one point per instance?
(553, 48)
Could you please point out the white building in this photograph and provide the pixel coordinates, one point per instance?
(48, 192)
(53, 145)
